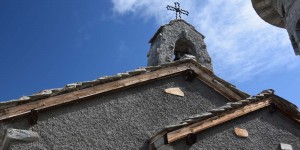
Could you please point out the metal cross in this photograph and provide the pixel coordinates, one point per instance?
(177, 10)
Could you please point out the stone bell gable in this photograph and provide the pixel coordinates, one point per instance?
(177, 40)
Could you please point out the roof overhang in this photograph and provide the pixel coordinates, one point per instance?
(200, 122)
(267, 12)
(113, 83)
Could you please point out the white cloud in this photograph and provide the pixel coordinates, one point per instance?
(240, 43)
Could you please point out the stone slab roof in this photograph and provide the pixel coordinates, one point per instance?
(81, 90)
(222, 114)
(189, 67)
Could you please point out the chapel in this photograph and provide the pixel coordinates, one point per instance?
(175, 103)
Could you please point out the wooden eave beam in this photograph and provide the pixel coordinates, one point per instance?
(289, 115)
(286, 110)
(88, 92)
(213, 83)
(211, 122)
(203, 75)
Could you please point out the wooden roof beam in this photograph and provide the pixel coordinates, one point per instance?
(211, 122)
(213, 83)
(204, 75)
(84, 93)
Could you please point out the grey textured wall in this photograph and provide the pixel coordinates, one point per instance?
(123, 120)
(162, 47)
(266, 131)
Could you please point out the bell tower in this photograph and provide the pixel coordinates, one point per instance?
(175, 41)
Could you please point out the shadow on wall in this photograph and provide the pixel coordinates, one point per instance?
(145, 145)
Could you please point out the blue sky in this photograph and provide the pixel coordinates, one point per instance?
(48, 44)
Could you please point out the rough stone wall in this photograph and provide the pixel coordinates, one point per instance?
(125, 119)
(266, 131)
(292, 16)
(163, 44)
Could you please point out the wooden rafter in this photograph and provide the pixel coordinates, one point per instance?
(210, 81)
(208, 123)
(84, 93)
(205, 76)
(287, 110)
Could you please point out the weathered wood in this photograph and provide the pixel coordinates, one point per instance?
(289, 114)
(286, 110)
(210, 81)
(84, 93)
(208, 123)
(203, 75)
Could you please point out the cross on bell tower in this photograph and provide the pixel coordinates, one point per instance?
(177, 10)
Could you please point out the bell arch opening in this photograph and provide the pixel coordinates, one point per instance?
(182, 47)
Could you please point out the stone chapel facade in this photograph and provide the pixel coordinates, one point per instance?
(175, 103)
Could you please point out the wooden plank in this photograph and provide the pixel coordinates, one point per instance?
(285, 109)
(211, 122)
(289, 114)
(84, 93)
(37, 105)
(209, 80)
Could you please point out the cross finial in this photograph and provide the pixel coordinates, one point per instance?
(177, 10)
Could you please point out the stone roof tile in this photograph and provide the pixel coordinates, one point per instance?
(105, 79)
(215, 113)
